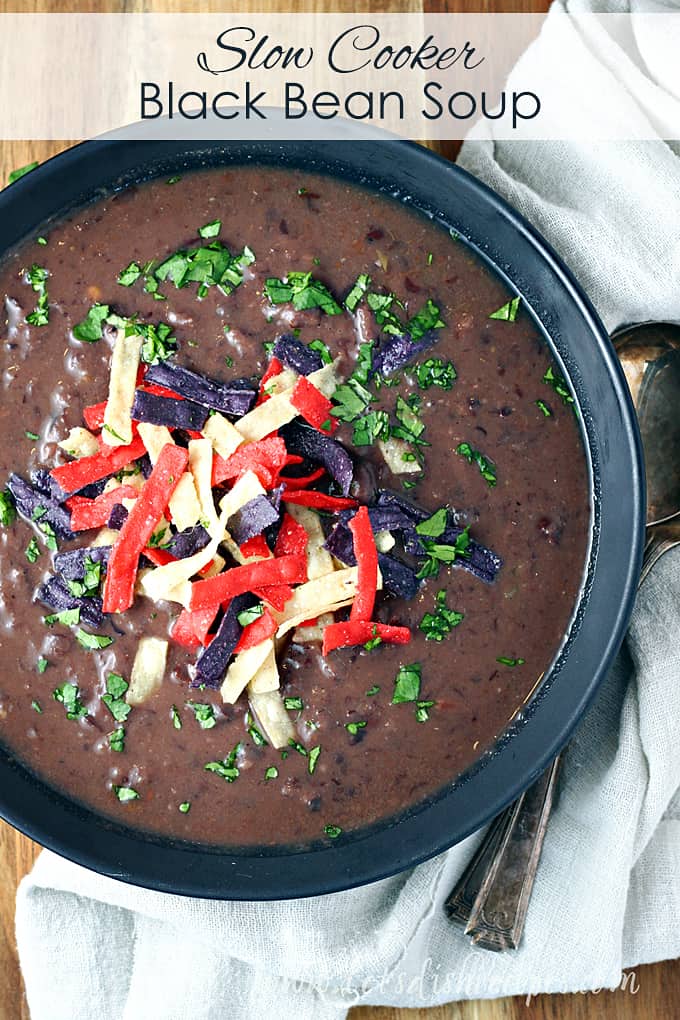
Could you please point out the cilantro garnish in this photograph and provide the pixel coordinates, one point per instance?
(506, 661)
(321, 348)
(410, 426)
(293, 704)
(303, 291)
(435, 525)
(297, 746)
(37, 277)
(382, 306)
(41, 241)
(508, 313)
(559, 384)
(256, 736)
(92, 642)
(226, 769)
(114, 698)
(422, 710)
(50, 535)
(21, 172)
(543, 408)
(372, 691)
(125, 793)
(42, 664)
(210, 265)
(67, 695)
(32, 435)
(90, 329)
(354, 727)
(271, 773)
(130, 274)
(174, 180)
(8, 510)
(185, 807)
(314, 753)
(69, 617)
(250, 615)
(436, 626)
(487, 468)
(88, 587)
(32, 550)
(435, 372)
(204, 714)
(36, 706)
(358, 292)
(210, 229)
(117, 739)
(407, 684)
(372, 426)
(351, 400)
(158, 343)
(373, 641)
(176, 718)
(424, 320)
(438, 553)
(332, 831)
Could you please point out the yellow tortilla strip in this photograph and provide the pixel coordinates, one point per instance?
(200, 465)
(319, 560)
(272, 716)
(148, 670)
(303, 635)
(247, 487)
(278, 411)
(224, 437)
(267, 676)
(171, 581)
(243, 668)
(79, 443)
(122, 384)
(399, 457)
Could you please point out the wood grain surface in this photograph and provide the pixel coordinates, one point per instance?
(648, 993)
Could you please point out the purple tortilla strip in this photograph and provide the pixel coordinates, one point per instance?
(176, 414)
(118, 516)
(234, 398)
(55, 593)
(396, 351)
(296, 355)
(252, 519)
(311, 444)
(30, 501)
(398, 578)
(71, 564)
(188, 542)
(213, 661)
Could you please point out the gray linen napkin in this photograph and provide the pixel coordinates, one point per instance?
(608, 890)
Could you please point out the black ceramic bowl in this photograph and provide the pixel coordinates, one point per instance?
(455, 199)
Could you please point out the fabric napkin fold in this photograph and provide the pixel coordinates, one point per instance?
(607, 895)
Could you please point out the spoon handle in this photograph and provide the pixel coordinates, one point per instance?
(492, 895)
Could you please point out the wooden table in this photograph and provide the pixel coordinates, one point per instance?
(649, 993)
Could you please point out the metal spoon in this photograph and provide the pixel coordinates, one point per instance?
(492, 896)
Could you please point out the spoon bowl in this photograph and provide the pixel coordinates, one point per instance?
(650, 356)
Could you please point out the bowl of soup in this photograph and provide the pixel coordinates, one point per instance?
(322, 510)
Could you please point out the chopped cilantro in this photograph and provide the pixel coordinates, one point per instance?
(297, 746)
(41, 241)
(314, 753)
(210, 229)
(90, 329)
(303, 291)
(410, 427)
(439, 552)
(32, 435)
(69, 617)
(256, 736)
(67, 695)
(174, 180)
(354, 727)
(372, 426)
(226, 769)
(35, 705)
(422, 710)
(8, 510)
(559, 384)
(508, 313)
(176, 718)
(88, 587)
(487, 468)
(32, 550)
(125, 793)
(205, 714)
(130, 274)
(37, 277)
(332, 831)
(117, 739)
(407, 684)
(358, 292)
(185, 807)
(351, 400)
(293, 704)
(210, 265)
(435, 372)
(424, 320)
(250, 615)
(436, 626)
(543, 408)
(434, 526)
(22, 171)
(158, 343)
(93, 642)
(42, 664)
(322, 349)
(505, 661)
(114, 698)
(271, 773)
(382, 307)
(50, 535)
(372, 691)
(429, 258)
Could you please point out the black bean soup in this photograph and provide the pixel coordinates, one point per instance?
(337, 612)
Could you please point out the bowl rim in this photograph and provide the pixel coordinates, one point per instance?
(155, 862)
